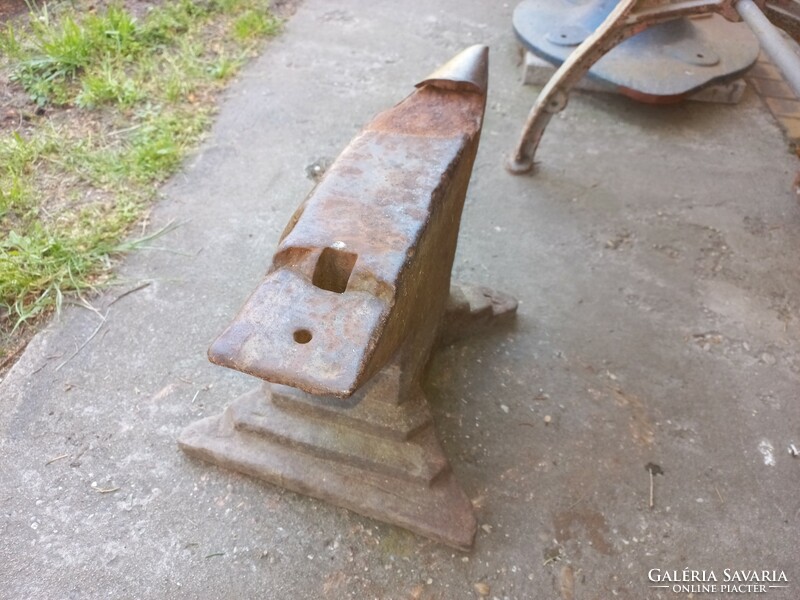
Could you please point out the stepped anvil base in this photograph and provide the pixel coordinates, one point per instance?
(380, 458)
(438, 509)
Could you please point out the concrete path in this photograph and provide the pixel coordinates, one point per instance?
(655, 256)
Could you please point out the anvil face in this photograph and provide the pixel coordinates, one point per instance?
(366, 249)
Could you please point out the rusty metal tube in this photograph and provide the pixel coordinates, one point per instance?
(772, 41)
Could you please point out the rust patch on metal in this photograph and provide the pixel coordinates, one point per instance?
(568, 524)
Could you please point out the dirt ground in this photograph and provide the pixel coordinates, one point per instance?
(11, 8)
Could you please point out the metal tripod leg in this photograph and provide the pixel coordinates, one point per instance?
(553, 98)
(628, 18)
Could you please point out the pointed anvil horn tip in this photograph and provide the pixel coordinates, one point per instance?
(466, 71)
(219, 352)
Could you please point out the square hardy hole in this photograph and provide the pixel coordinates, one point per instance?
(333, 270)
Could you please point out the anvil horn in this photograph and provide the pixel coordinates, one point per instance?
(364, 264)
(466, 71)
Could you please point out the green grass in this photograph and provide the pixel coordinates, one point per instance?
(254, 23)
(123, 101)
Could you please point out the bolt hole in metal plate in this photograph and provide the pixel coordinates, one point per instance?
(700, 55)
(670, 59)
(570, 35)
(302, 336)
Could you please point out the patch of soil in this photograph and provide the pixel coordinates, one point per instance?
(11, 8)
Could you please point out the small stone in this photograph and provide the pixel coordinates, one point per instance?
(504, 408)
(548, 419)
(482, 588)
(487, 528)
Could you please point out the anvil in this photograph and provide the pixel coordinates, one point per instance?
(342, 326)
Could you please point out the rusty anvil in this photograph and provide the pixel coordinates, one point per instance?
(344, 323)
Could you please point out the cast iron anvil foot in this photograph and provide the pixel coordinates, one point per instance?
(344, 322)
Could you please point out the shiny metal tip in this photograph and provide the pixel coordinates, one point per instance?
(466, 71)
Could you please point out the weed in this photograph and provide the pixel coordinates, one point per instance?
(108, 84)
(176, 18)
(39, 268)
(223, 67)
(255, 23)
(18, 158)
(158, 146)
(9, 44)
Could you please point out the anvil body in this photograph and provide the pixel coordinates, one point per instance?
(344, 322)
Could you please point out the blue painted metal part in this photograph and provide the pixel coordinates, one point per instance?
(672, 59)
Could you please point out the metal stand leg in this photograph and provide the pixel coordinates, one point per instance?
(553, 97)
(628, 18)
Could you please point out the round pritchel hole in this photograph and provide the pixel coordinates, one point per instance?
(302, 336)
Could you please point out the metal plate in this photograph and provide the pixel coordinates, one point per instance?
(571, 35)
(671, 59)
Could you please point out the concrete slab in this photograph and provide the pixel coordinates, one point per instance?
(655, 255)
